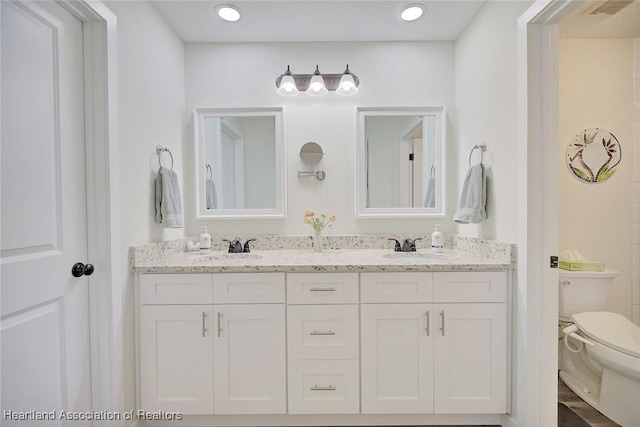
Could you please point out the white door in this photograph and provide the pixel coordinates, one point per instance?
(397, 358)
(250, 359)
(471, 359)
(44, 310)
(176, 358)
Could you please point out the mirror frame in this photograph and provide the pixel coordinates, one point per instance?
(279, 211)
(362, 211)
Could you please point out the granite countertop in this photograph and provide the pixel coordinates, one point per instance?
(170, 257)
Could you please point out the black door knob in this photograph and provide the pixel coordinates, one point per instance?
(79, 269)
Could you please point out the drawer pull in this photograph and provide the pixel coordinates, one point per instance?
(322, 289)
(426, 326)
(204, 324)
(320, 388)
(322, 333)
(442, 317)
(219, 323)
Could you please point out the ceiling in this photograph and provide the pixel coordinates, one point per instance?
(364, 20)
(580, 25)
(318, 21)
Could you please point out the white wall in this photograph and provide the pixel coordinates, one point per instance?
(151, 111)
(486, 111)
(596, 91)
(391, 74)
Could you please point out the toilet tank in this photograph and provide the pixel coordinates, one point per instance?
(581, 291)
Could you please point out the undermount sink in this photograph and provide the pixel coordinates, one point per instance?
(401, 255)
(227, 256)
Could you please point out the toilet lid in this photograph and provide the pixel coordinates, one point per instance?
(610, 329)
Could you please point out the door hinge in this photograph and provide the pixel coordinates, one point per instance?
(553, 261)
(411, 157)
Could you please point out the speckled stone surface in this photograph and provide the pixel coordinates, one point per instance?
(341, 254)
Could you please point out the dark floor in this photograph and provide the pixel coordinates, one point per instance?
(574, 412)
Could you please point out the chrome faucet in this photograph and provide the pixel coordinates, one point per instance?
(408, 245)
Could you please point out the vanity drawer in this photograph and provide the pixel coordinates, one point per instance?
(396, 287)
(243, 288)
(477, 286)
(324, 387)
(322, 288)
(322, 332)
(165, 289)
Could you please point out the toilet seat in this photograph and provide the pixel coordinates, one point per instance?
(610, 329)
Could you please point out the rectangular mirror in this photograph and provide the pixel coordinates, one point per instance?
(239, 158)
(400, 160)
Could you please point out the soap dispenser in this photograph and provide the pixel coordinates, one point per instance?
(205, 241)
(437, 241)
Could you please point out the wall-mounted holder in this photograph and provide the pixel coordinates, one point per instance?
(482, 147)
(311, 153)
(320, 175)
(159, 150)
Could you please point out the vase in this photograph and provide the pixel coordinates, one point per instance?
(317, 241)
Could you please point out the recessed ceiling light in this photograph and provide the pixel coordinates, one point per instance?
(412, 12)
(228, 12)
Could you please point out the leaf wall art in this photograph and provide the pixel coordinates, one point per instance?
(593, 155)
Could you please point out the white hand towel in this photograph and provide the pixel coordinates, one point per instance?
(212, 196)
(430, 195)
(168, 202)
(473, 199)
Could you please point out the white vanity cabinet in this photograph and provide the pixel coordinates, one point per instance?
(438, 346)
(323, 337)
(212, 343)
(249, 350)
(176, 343)
(397, 343)
(470, 342)
(352, 344)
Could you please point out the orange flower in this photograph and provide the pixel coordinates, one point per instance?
(308, 213)
(332, 218)
(307, 220)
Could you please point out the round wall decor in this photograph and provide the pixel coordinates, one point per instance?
(593, 155)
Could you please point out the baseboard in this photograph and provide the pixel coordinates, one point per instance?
(507, 420)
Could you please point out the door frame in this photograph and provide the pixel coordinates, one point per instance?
(102, 183)
(536, 294)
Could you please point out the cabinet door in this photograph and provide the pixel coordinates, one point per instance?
(470, 358)
(250, 359)
(176, 352)
(397, 358)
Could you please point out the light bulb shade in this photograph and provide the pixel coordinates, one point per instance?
(287, 86)
(347, 86)
(317, 86)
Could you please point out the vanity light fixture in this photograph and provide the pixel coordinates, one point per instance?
(228, 13)
(317, 84)
(412, 12)
(287, 86)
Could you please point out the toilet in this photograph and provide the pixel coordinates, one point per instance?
(600, 351)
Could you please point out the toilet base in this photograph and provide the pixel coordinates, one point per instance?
(620, 398)
(612, 394)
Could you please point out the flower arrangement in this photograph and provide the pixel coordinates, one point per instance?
(318, 222)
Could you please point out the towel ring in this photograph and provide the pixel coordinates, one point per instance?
(159, 150)
(209, 171)
(433, 171)
(482, 147)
